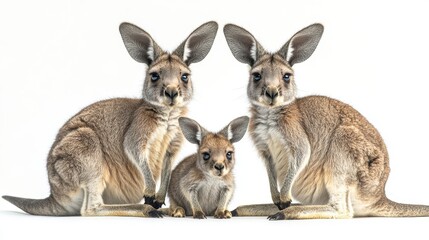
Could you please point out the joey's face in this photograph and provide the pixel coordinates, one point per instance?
(168, 82)
(216, 155)
(271, 82)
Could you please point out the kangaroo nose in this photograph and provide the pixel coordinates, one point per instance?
(219, 166)
(171, 92)
(271, 92)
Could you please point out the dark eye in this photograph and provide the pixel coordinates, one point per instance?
(256, 76)
(229, 156)
(206, 156)
(154, 76)
(286, 77)
(185, 77)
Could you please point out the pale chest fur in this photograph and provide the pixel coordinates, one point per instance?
(309, 182)
(124, 181)
(159, 141)
(268, 136)
(209, 192)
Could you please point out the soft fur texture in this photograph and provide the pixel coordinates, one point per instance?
(203, 187)
(317, 150)
(110, 155)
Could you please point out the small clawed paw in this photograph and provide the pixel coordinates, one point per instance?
(150, 200)
(283, 205)
(223, 214)
(277, 216)
(157, 204)
(156, 214)
(179, 212)
(199, 215)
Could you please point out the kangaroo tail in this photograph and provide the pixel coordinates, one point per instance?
(388, 208)
(45, 207)
(255, 210)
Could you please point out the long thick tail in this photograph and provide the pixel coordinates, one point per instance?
(44, 207)
(255, 210)
(388, 208)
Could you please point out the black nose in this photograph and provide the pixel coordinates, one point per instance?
(219, 166)
(271, 93)
(172, 93)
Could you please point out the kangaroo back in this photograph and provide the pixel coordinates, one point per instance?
(44, 207)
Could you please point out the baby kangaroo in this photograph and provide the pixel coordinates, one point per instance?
(110, 155)
(203, 184)
(317, 150)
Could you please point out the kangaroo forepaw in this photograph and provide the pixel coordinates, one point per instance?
(178, 212)
(157, 204)
(283, 205)
(156, 214)
(149, 200)
(199, 215)
(222, 214)
(277, 216)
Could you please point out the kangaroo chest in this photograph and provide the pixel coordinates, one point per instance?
(309, 184)
(209, 193)
(268, 136)
(159, 142)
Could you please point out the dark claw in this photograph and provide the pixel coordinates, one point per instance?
(283, 205)
(149, 200)
(156, 214)
(157, 204)
(277, 216)
(234, 213)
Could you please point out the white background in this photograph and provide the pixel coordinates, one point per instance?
(57, 57)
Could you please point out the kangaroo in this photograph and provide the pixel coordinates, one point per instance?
(203, 184)
(316, 149)
(110, 155)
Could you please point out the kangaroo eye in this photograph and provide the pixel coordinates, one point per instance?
(185, 77)
(229, 156)
(206, 156)
(286, 77)
(154, 76)
(256, 76)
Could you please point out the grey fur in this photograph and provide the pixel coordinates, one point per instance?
(317, 150)
(199, 186)
(110, 155)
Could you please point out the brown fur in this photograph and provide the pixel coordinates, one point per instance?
(318, 150)
(110, 155)
(203, 187)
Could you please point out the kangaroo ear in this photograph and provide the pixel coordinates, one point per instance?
(236, 129)
(300, 47)
(192, 131)
(242, 44)
(139, 43)
(196, 47)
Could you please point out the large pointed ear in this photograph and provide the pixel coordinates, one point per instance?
(198, 44)
(192, 131)
(236, 129)
(242, 44)
(302, 44)
(139, 43)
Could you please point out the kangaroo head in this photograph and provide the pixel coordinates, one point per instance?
(215, 154)
(168, 77)
(271, 81)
